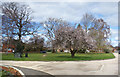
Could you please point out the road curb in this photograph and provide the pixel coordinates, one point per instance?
(21, 73)
(18, 71)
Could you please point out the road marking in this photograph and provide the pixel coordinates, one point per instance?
(101, 68)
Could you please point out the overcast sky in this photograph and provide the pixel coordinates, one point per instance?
(73, 12)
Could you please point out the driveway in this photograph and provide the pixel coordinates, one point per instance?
(96, 67)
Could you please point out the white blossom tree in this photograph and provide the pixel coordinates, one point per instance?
(72, 38)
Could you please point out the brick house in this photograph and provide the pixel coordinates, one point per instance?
(10, 47)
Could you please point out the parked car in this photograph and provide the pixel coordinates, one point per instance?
(42, 51)
(67, 51)
(9, 50)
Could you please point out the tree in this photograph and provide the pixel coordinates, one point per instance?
(69, 37)
(100, 32)
(87, 21)
(98, 29)
(36, 43)
(19, 19)
(6, 30)
(19, 49)
(63, 35)
(51, 25)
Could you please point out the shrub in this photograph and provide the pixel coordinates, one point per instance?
(27, 48)
(118, 48)
(81, 50)
(106, 50)
(49, 50)
(92, 51)
(19, 48)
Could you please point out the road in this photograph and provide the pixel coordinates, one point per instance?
(30, 72)
(96, 67)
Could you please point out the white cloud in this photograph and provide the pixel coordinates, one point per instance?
(60, 0)
(67, 11)
(114, 43)
(112, 20)
(114, 37)
(105, 8)
(73, 12)
(114, 31)
(25, 38)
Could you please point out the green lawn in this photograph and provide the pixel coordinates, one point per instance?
(60, 57)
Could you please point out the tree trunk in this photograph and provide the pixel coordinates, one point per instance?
(72, 53)
(53, 51)
(19, 37)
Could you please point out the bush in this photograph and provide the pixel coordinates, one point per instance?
(49, 50)
(27, 48)
(106, 50)
(92, 51)
(118, 48)
(19, 48)
(82, 51)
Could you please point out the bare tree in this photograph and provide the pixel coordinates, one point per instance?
(87, 21)
(36, 42)
(98, 29)
(50, 26)
(19, 18)
(6, 30)
(6, 27)
(100, 32)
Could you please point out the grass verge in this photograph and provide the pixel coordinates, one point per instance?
(59, 57)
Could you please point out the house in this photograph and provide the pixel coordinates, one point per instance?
(8, 48)
(63, 50)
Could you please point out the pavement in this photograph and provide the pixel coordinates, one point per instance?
(96, 67)
(30, 72)
(119, 65)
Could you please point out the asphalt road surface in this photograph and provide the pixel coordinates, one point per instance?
(30, 72)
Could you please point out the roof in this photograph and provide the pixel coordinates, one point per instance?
(9, 46)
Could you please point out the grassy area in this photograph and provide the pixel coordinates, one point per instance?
(59, 57)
